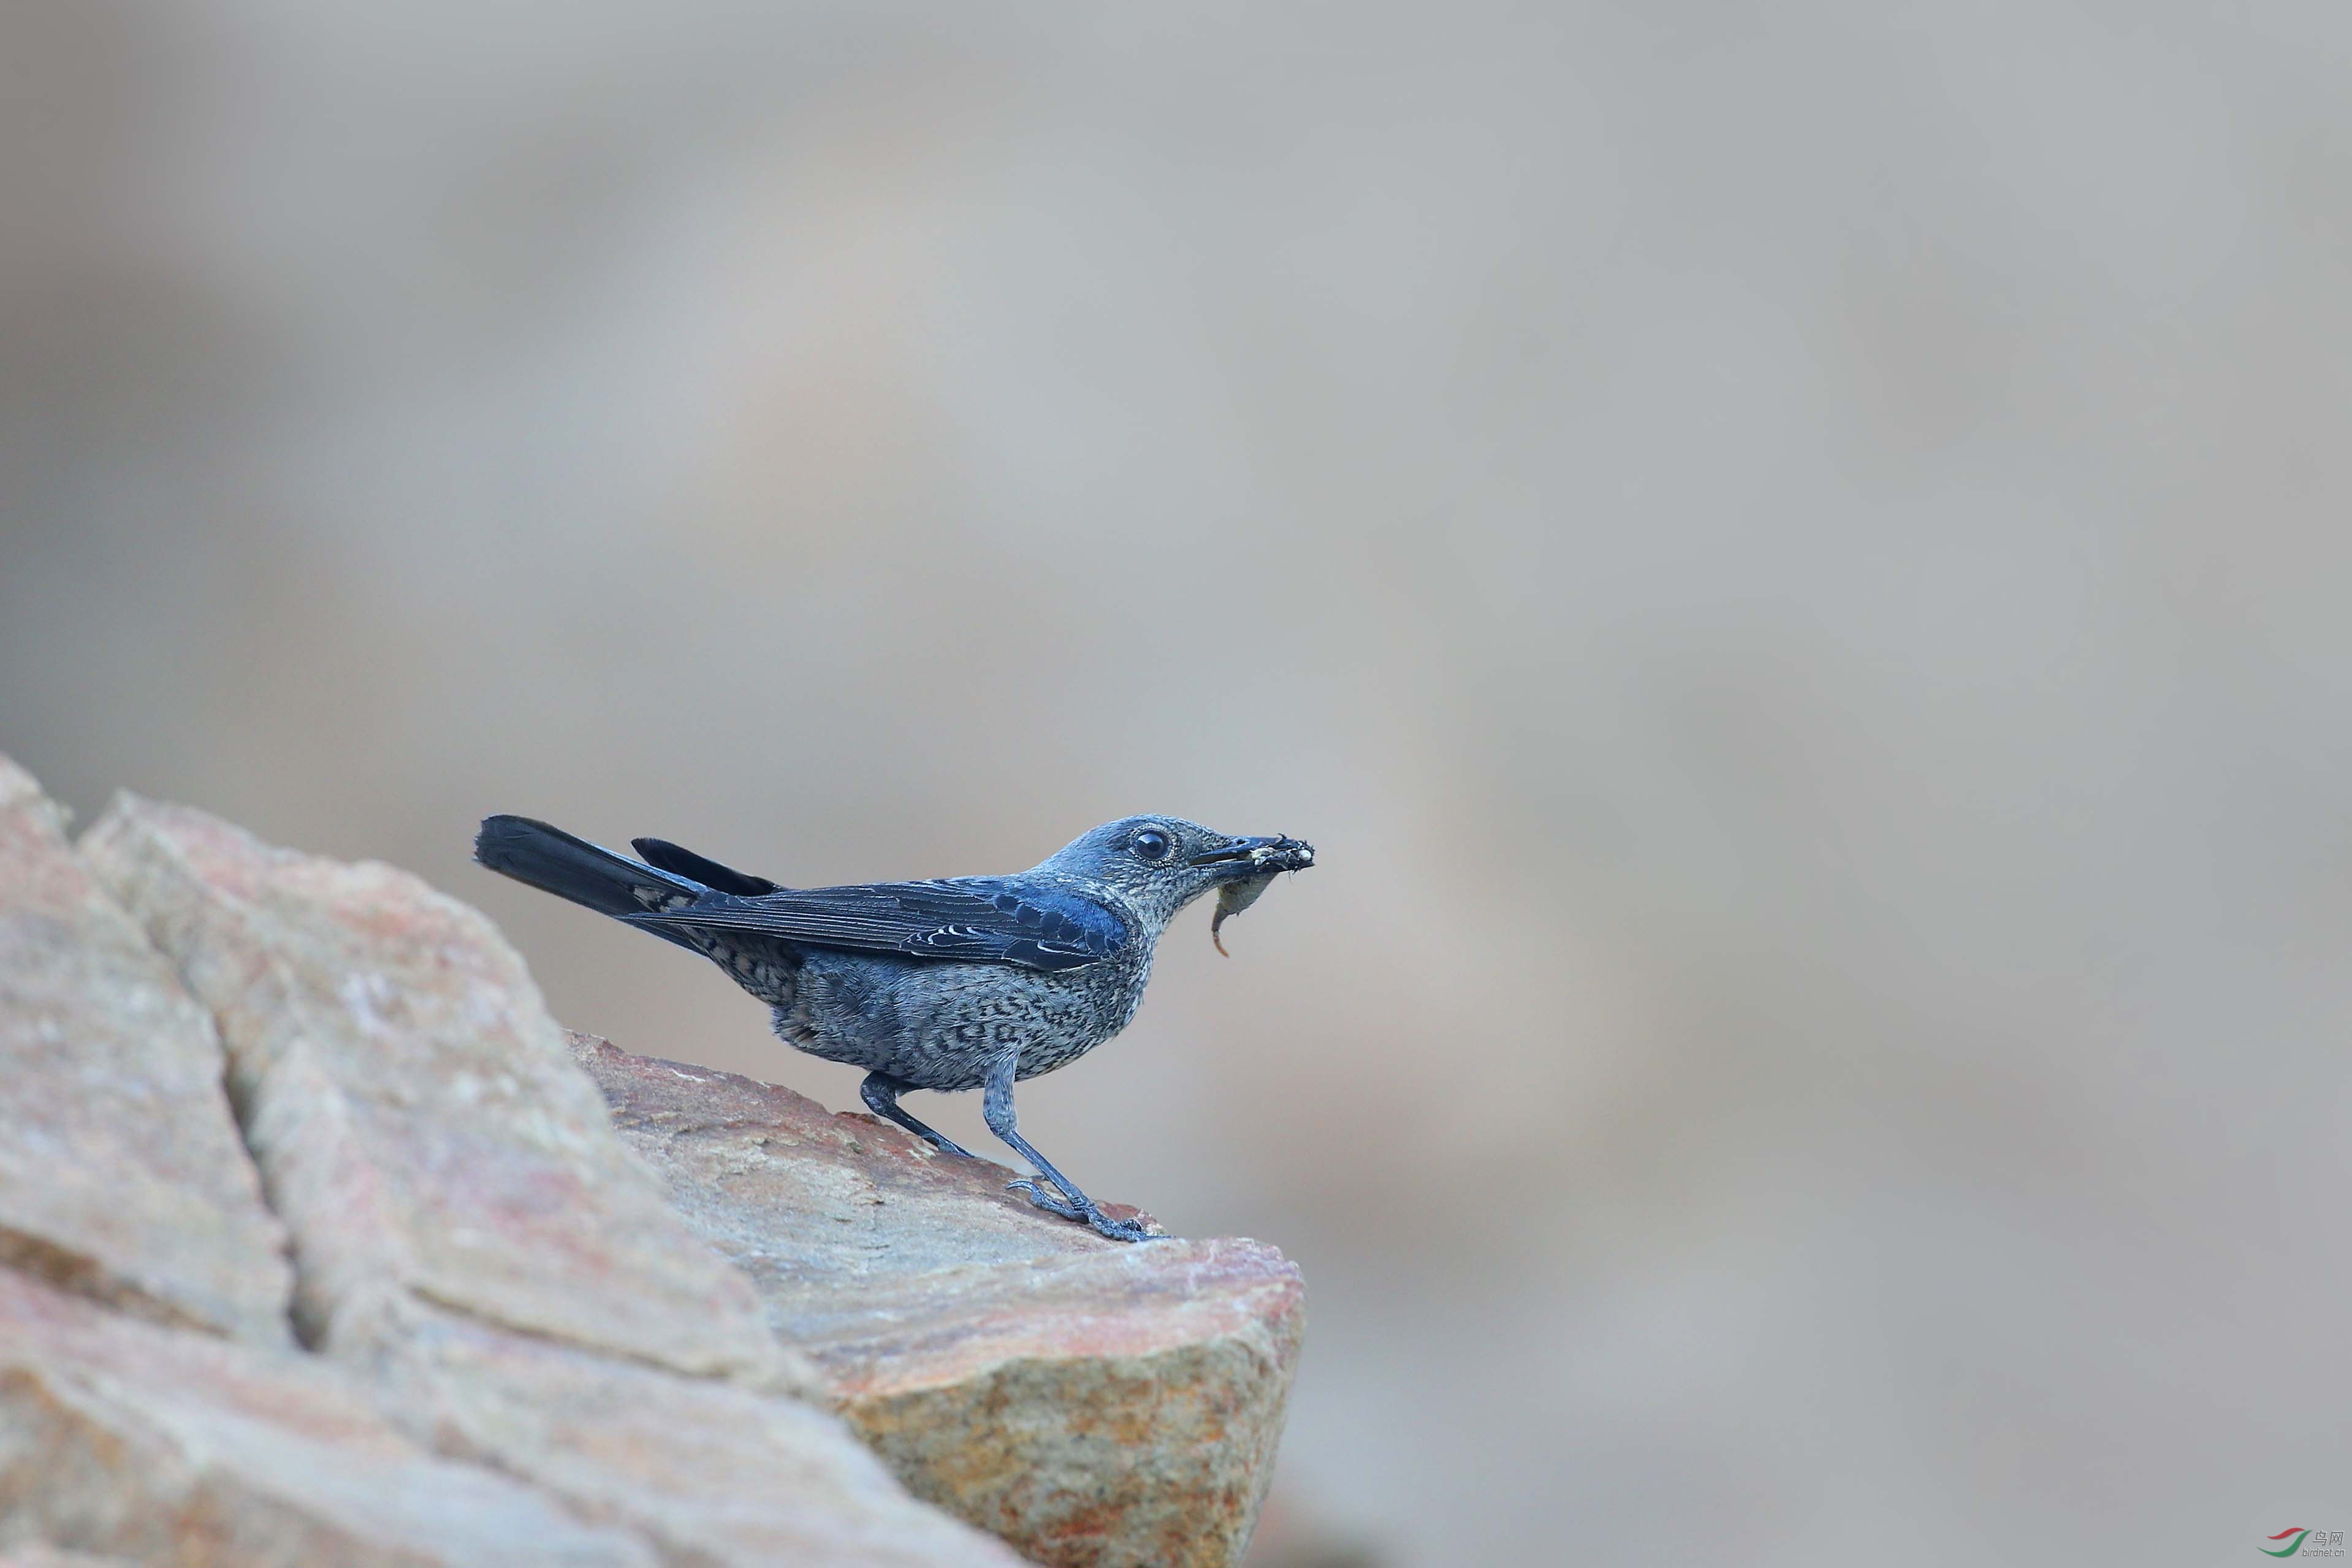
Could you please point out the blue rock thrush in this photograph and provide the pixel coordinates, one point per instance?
(963, 983)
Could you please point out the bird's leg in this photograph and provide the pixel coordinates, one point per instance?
(880, 1092)
(996, 1105)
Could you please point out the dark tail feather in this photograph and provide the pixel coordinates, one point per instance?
(554, 861)
(710, 873)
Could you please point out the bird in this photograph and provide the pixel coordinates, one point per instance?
(949, 984)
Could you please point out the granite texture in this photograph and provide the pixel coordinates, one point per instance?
(1092, 1402)
(121, 1174)
(408, 1099)
(155, 1444)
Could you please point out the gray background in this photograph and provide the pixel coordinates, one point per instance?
(1791, 559)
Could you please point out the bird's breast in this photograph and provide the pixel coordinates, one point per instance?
(1089, 1006)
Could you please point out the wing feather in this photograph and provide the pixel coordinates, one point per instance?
(971, 919)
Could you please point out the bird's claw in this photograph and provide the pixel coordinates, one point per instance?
(1045, 1200)
(1103, 1225)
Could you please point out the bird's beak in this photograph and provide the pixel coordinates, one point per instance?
(1240, 857)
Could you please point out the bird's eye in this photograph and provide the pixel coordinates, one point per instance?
(1151, 845)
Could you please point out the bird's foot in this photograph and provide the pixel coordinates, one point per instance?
(950, 1146)
(1121, 1230)
(1050, 1202)
(1085, 1214)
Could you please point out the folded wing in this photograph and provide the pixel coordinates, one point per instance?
(970, 919)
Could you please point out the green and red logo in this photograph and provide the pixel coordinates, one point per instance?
(2307, 1543)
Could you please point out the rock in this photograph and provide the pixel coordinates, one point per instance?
(1090, 1402)
(712, 1473)
(472, 1237)
(121, 1174)
(155, 1445)
(419, 1125)
(513, 1338)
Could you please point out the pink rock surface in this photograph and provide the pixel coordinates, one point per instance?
(121, 1174)
(418, 1122)
(1090, 1401)
(711, 1472)
(153, 1445)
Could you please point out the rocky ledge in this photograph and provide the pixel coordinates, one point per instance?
(321, 1242)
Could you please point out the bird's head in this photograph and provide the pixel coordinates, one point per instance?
(1160, 864)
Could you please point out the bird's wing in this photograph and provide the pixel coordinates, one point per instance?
(973, 920)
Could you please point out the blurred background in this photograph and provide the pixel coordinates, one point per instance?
(1793, 561)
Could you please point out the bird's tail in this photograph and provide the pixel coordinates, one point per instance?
(554, 861)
